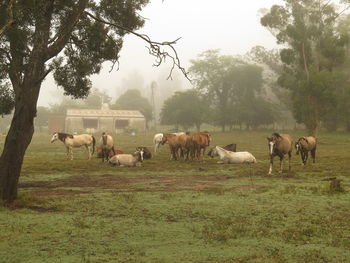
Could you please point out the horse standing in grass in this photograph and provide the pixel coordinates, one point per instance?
(200, 140)
(304, 145)
(157, 140)
(107, 145)
(172, 140)
(280, 145)
(74, 141)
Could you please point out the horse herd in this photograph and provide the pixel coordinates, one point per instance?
(187, 146)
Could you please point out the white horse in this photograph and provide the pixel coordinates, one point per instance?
(74, 141)
(157, 139)
(107, 145)
(127, 159)
(232, 157)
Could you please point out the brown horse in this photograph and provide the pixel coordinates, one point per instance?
(171, 139)
(279, 145)
(200, 140)
(304, 145)
(111, 153)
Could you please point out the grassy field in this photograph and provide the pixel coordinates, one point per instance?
(167, 211)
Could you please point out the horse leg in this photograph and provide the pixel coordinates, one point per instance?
(306, 156)
(67, 150)
(289, 159)
(88, 150)
(271, 164)
(71, 153)
(281, 163)
(313, 155)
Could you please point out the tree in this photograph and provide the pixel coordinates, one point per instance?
(132, 100)
(184, 108)
(230, 85)
(70, 39)
(6, 100)
(314, 49)
(96, 98)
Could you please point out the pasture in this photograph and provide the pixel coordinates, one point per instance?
(167, 211)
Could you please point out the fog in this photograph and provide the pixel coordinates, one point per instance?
(231, 26)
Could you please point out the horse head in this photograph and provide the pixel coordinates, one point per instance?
(54, 137)
(272, 140)
(139, 154)
(213, 152)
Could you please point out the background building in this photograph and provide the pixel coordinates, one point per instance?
(95, 120)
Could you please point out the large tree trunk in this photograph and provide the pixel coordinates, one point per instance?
(16, 143)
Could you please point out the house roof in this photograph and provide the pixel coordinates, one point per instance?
(104, 113)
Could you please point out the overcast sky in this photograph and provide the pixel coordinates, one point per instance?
(229, 25)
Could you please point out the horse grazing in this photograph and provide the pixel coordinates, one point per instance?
(106, 144)
(146, 152)
(280, 145)
(127, 159)
(74, 141)
(230, 147)
(232, 157)
(304, 145)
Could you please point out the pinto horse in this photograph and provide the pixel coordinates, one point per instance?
(280, 145)
(74, 141)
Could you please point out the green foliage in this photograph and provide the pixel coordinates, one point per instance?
(132, 100)
(315, 51)
(6, 100)
(184, 108)
(231, 87)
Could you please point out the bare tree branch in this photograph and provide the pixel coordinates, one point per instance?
(154, 48)
(10, 18)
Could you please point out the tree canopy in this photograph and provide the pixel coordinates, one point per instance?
(184, 108)
(230, 86)
(132, 100)
(314, 50)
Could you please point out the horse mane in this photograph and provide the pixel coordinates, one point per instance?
(62, 136)
(276, 134)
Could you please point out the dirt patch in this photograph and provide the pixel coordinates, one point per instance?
(120, 183)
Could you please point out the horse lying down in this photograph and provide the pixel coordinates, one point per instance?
(232, 157)
(127, 159)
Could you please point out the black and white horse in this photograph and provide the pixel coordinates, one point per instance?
(74, 141)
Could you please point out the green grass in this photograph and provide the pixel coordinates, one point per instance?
(166, 211)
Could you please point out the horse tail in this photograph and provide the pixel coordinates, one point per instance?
(93, 144)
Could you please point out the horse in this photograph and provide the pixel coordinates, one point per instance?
(111, 153)
(171, 139)
(106, 144)
(146, 152)
(200, 141)
(280, 145)
(74, 141)
(157, 139)
(232, 157)
(229, 147)
(127, 159)
(304, 145)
